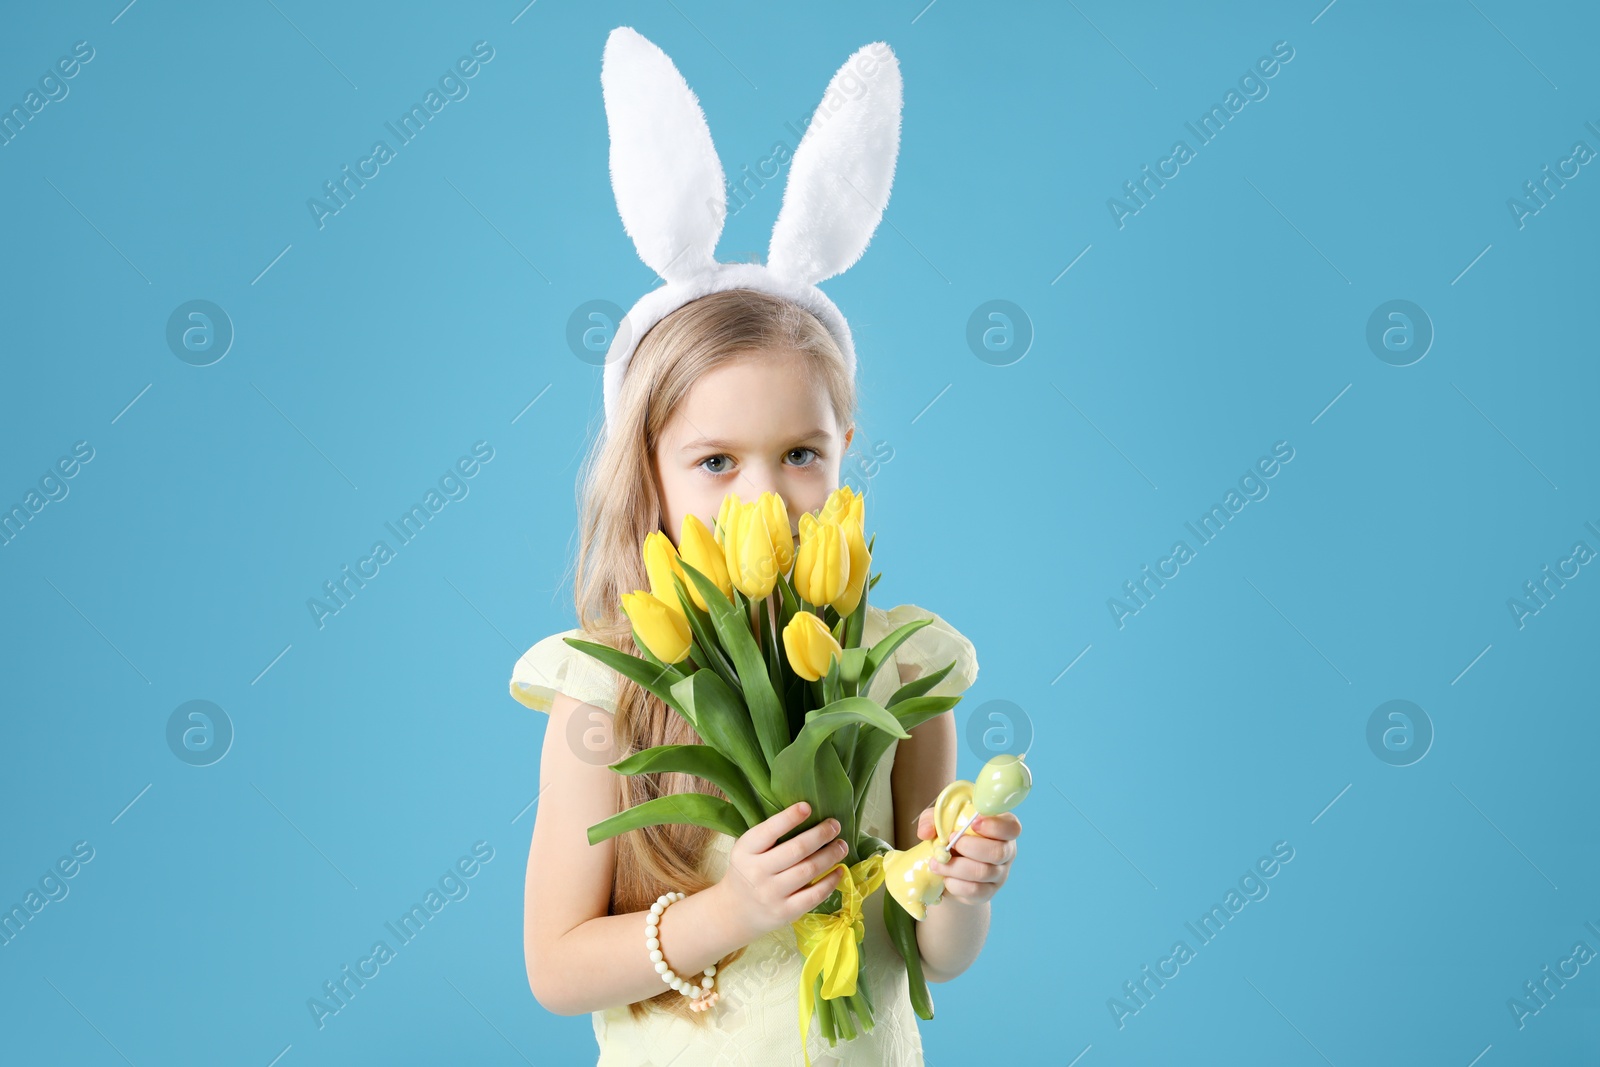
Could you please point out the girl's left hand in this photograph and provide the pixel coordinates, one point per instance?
(981, 858)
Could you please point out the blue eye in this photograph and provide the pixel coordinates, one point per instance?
(721, 464)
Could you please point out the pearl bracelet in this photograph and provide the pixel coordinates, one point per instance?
(702, 995)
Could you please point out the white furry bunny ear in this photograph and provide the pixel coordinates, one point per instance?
(668, 181)
(670, 191)
(839, 181)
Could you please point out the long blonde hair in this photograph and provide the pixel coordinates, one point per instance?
(620, 504)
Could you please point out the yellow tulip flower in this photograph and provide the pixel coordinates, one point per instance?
(660, 563)
(730, 504)
(700, 550)
(747, 548)
(809, 646)
(844, 502)
(860, 565)
(847, 508)
(822, 565)
(777, 514)
(663, 630)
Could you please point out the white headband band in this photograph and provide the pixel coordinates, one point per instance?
(671, 190)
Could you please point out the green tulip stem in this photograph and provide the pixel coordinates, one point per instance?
(843, 1019)
(824, 1012)
(864, 992)
(766, 624)
(861, 1005)
(855, 624)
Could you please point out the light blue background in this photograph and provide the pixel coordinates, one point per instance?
(1229, 714)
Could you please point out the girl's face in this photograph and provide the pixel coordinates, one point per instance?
(750, 426)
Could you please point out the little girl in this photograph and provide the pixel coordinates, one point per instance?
(737, 391)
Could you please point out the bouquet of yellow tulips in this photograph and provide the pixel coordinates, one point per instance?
(757, 644)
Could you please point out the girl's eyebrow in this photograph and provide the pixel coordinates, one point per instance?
(706, 442)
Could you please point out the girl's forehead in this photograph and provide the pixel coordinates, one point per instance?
(751, 402)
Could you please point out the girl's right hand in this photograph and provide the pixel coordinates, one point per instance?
(767, 884)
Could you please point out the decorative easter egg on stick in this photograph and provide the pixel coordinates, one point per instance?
(1002, 784)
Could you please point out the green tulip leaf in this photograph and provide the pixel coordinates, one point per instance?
(870, 747)
(794, 707)
(702, 761)
(724, 724)
(789, 602)
(733, 628)
(771, 641)
(870, 846)
(831, 689)
(856, 623)
(794, 771)
(883, 649)
(658, 678)
(835, 798)
(704, 636)
(698, 809)
(843, 674)
(918, 686)
(844, 744)
(850, 665)
(902, 931)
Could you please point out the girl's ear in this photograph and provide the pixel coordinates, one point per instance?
(668, 181)
(839, 179)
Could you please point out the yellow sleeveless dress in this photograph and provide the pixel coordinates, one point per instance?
(757, 1019)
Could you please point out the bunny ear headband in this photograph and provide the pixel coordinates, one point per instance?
(670, 189)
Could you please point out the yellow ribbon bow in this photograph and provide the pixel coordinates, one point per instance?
(829, 942)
